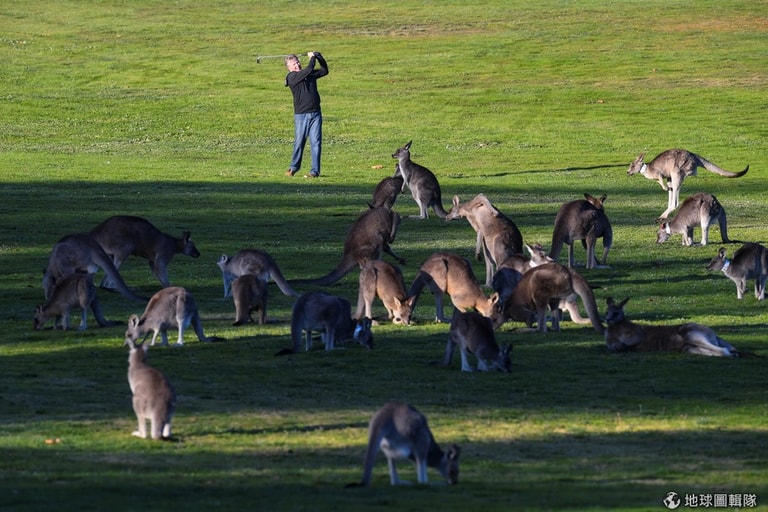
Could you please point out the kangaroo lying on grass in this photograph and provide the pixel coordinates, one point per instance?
(445, 272)
(329, 314)
(697, 210)
(750, 261)
(497, 236)
(154, 398)
(671, 167)
(254, 262)
(545, 287)
(124, 235)
(400, 431)
(249, 294)
(369, 236)
(472, 333)
(386, 192)
(80, 254)
(584, 220)
(74, 291)
(421, 181)
(379, 278)
(170, 308)
(623, 335)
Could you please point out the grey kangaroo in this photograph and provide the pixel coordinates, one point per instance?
(170, 308)
(671, 167)
(125, 235)
(750, 261)
(623, 335)
(585, 220)
(379, 278)
(386, 192)
(697, 210)
(74, 291)
(369, 236)
(421, 181)
(446, 272)
(329, 314)
(254, 262)
(473, 333)
(80, 253)
(154, 398)
(498, 238)
(401, 431)
(249, 294)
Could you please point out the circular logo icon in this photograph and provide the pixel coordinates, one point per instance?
(671, 500)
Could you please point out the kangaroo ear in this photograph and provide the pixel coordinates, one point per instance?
(721, 252)
(185, 235)
(456, 200)
(621, 304)
(493, 299)
(590, 198)
(453, 452)
(223, 258)
(408, 146)
(133, 320)
(398, 303)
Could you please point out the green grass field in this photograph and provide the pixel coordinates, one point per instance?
(159, 109)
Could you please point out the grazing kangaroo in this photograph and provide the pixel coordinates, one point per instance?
(750, 261)
(623, 335)
(472, 333)
(401, 431)
(445, 272)
(497, 236)
(671, 167)
(421, 181)
(249, 294)
(170, 308)
(254, 262)
(154, 398)
(697, 210)
(369, 236)
(585, 220)
(545, 287)
(385, 193)
(320, 311)
(125, 235)
(74, 291)
(379, 278)
(80, 253)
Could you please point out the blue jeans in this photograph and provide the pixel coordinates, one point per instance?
(308, 126)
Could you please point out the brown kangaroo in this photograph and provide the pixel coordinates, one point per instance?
(386, 192)
(79, 253)
(585, 220)
(74, 291)
(125, 235)
(369, 236)
(252, 262)
(154, 398)
(750, 261)
(445, 272)
(545, 287)
(401, 431)
(697, 210)
(671, 167)
(379, 278)
(473, 333)
(623, 335)
(421, 181)
(249, 294)
(498, 238)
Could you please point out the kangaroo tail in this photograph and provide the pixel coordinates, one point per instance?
(719, 170)
(437, 206)
(282, 283)
(105, 262)
(342, 269)
(582, 288)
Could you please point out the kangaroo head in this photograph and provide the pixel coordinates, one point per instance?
(189, 246)
(363, 334)
(133, 332)
(449, 465)
(615, 312)
(503, 362)
(403, 152)
(39, 319)
(403, 309)
(718, 261)
(635, 166)
(663, 233)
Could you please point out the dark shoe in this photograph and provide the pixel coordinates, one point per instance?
(290, 172)
(311, 175)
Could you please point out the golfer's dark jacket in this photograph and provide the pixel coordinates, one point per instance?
(303, 85)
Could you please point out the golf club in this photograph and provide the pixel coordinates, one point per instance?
(258, 59)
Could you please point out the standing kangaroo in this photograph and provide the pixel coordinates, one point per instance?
(750, 261)
(76, 290)
(379, 278)
(329, 314)
(545, 287)
(445, 272)
(249, 294)
(401, 431)
(369, 236)
(421, 181)
(585, 220)
(252, 262)
(386, 192)
(154, 398)
(170, 308)
(498, 238)
(125, 235)
(80, 253)
(671, 167)
(697, 210)
(472, 333)
(623, 335)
